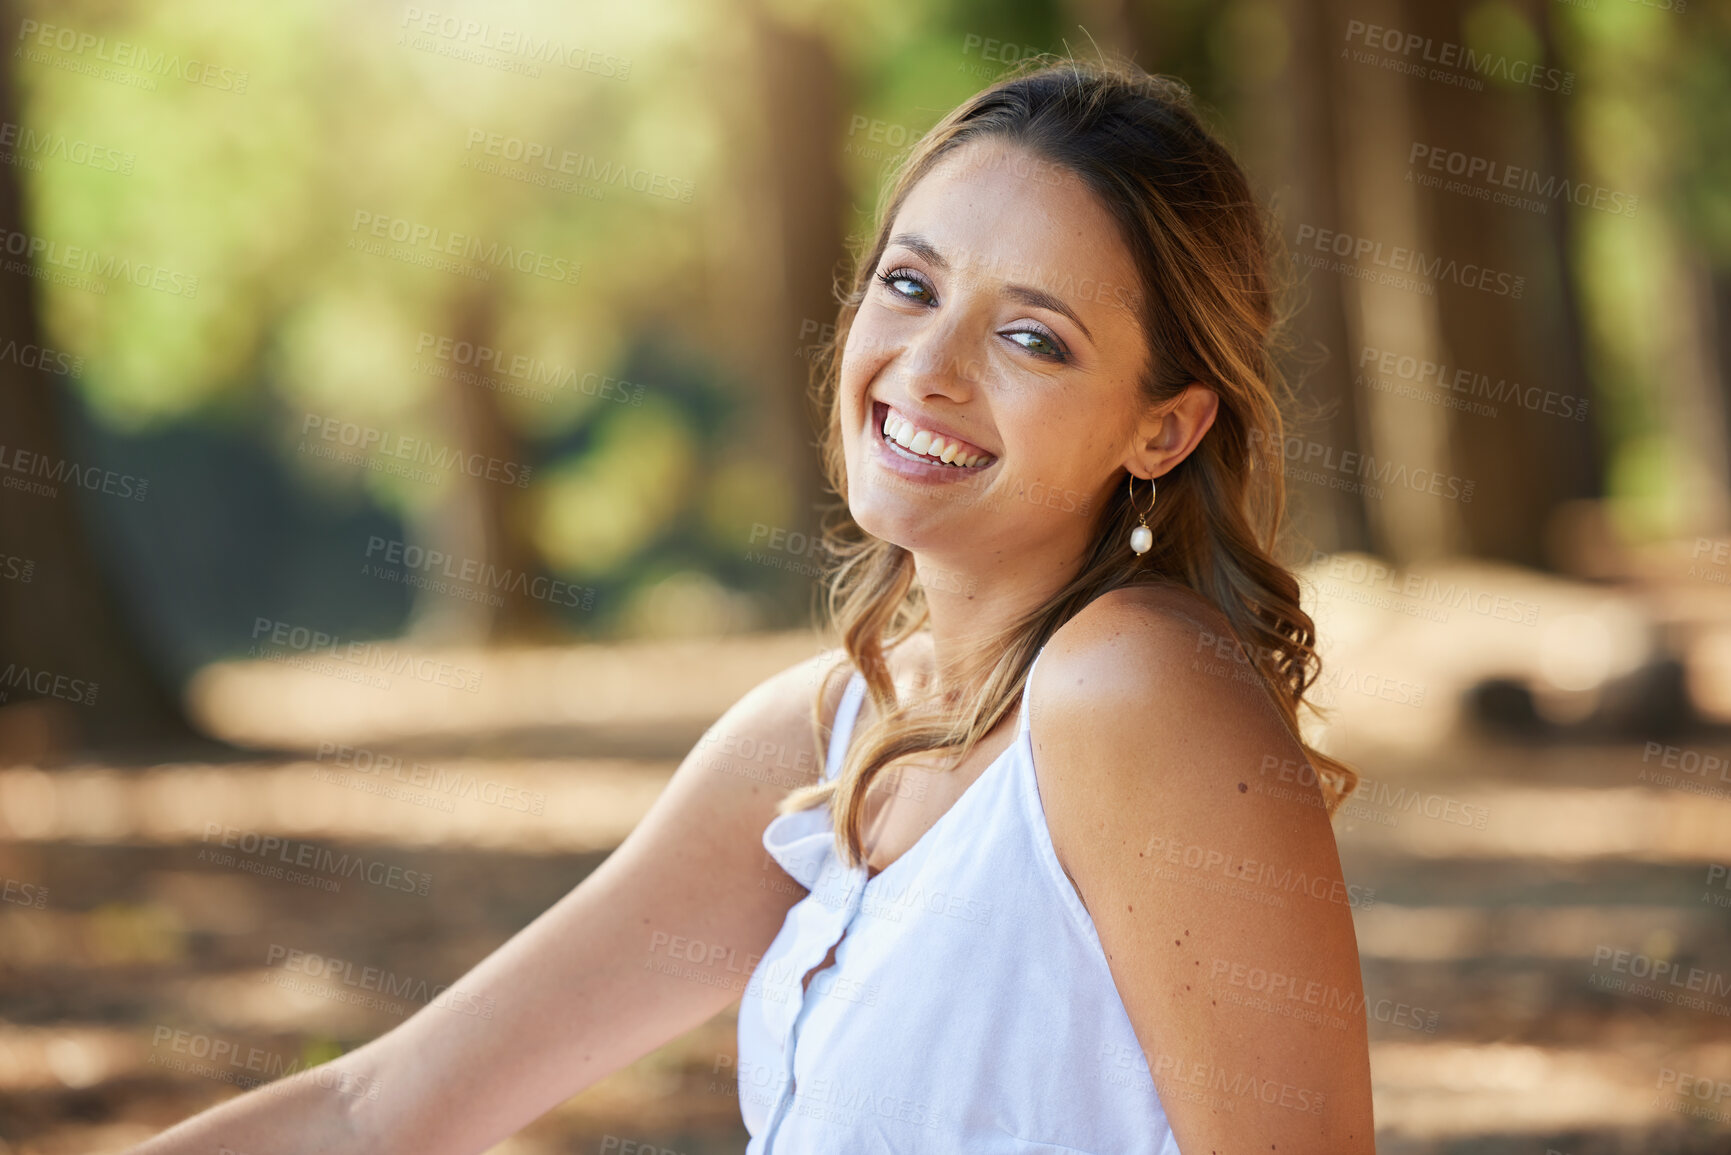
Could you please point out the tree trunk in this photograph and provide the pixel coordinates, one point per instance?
(785, 243)
(71, 672)
(1526, 462)
(480, 519)
(1291, 150)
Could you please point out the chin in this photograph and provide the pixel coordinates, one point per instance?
(882, 516)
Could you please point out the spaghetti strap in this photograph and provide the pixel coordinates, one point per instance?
(842, 729)
(980, 894)
(1027, 692)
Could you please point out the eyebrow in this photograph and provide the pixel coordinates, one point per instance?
(1026, 294)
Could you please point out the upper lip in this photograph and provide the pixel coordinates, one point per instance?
(931, 426)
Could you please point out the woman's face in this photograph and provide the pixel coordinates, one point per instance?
(1003, 318)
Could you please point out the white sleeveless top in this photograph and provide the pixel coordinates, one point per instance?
(969, 1007)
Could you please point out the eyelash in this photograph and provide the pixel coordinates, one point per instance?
(889, 277)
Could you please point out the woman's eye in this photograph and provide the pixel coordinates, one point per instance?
(903, 285)
(1037, 342)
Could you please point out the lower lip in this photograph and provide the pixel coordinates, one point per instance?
(892, 457)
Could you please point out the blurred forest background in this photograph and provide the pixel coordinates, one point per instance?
(654, 397)
(255, 260)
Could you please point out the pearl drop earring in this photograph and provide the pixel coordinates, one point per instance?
(1142, 538)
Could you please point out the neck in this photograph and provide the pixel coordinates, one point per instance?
(974, 602)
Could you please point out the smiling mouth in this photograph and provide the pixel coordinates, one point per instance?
(906, 439)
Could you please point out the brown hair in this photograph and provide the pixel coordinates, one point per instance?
(1207, 303)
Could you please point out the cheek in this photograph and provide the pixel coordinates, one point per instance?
(1062, 443)
(863, 358)
(867, 348)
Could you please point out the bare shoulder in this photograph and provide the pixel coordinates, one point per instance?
(1144, 647)
(1153, 741)
(772, 727)
(1144, 700)
(1146, 717)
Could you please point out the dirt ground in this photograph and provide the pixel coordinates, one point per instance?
(1524, 880)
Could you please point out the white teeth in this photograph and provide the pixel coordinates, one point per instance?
(909, 436)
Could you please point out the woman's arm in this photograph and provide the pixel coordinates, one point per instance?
(586, 988)
(1221, 905)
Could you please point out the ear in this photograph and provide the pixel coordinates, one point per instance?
(1170, 432)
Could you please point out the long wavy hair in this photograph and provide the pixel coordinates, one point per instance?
(1208, 303)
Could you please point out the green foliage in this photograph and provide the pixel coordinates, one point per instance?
(312, 185)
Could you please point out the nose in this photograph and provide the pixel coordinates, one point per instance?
(939, 361)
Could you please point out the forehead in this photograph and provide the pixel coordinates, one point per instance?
(1003, 215)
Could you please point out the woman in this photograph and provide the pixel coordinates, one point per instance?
(1016, 905)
